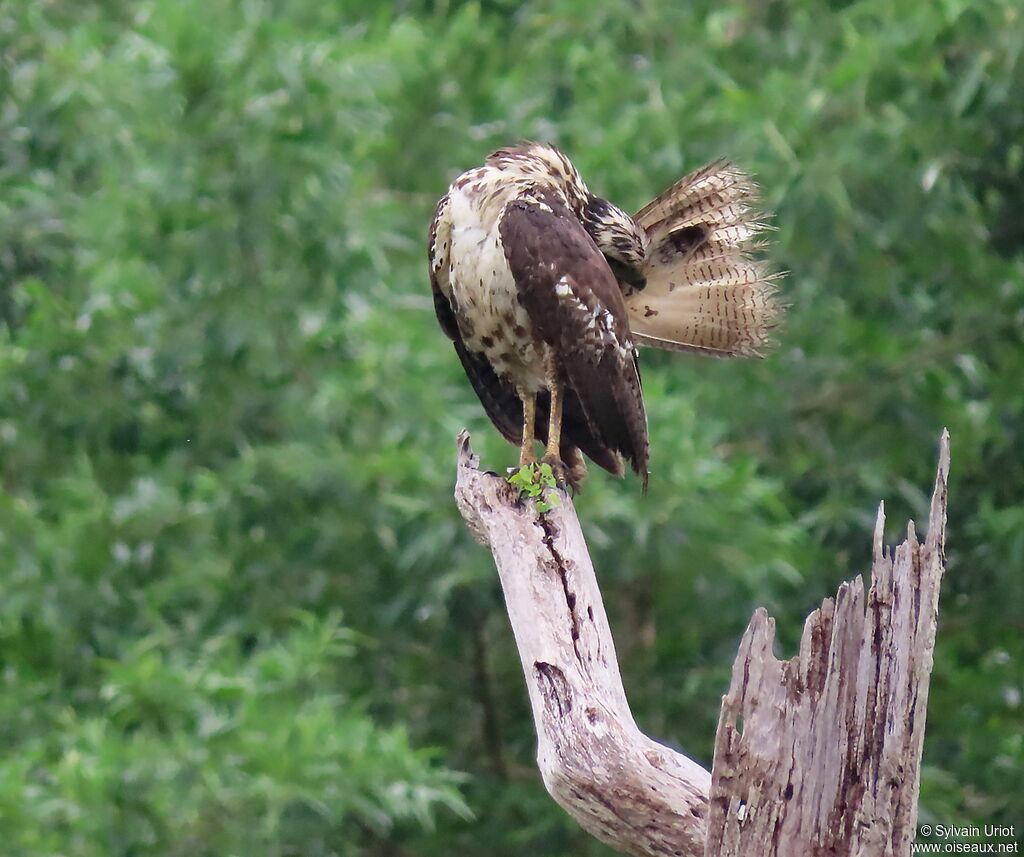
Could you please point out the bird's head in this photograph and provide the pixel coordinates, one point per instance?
(621, 239)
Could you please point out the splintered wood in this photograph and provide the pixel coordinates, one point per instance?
(813, 756)
(821, 754)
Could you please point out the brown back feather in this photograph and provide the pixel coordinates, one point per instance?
(576, 308)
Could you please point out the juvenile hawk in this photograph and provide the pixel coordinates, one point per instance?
(545, 289)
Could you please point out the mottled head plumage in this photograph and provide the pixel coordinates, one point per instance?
(544, 165)
(617, 235)
(624, 244)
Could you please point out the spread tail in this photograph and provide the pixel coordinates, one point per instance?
(705, 292)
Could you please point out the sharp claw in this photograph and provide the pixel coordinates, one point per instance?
(558, 469)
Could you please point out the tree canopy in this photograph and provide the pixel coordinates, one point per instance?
(239, 612)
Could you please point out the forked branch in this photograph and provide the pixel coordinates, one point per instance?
(827, 760)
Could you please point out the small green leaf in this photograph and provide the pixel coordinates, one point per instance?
(536, 482)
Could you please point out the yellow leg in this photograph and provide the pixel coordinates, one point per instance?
(555, 420)
(553, 452)
(526, 453)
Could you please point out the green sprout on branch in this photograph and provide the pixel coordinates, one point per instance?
(536, 482)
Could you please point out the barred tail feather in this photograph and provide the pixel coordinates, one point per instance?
(705, 293)
(716, 319)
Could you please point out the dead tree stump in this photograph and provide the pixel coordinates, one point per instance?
(818, 755)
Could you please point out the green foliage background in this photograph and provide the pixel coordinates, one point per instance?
(238, 612)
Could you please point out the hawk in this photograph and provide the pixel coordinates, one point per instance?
(546, 289)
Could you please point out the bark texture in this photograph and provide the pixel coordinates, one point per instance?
(826, 761)
(820, 755)
(626, 789)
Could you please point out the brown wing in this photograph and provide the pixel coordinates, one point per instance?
(576, 308)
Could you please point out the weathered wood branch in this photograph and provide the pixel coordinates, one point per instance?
(827, 758)
(827, 761)
(621, 786)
